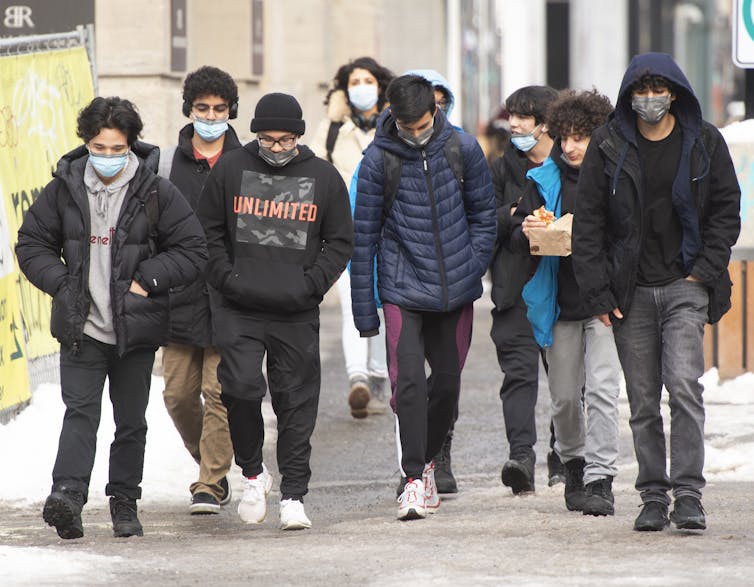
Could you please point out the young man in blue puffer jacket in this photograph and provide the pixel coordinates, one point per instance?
(433, 238)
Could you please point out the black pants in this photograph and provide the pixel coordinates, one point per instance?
(294, 374)
(518, 356)
(425, 406)
(82, 378)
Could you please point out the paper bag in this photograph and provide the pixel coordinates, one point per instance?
(555, 240)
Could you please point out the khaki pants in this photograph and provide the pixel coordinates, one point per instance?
(190, 377)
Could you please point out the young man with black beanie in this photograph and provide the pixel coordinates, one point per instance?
(279, 232)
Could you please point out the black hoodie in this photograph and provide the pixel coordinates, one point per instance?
(278, 237)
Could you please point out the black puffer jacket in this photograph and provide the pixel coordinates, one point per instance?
(510, 269)
(190, 319)
(53, 252)
(608, 226)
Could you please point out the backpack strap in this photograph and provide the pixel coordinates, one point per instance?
(332, 136)
(166, 162)
(152, 210)
(392, 165)
(392, 170)
(453, 154)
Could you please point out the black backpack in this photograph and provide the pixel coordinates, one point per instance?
(392, 170)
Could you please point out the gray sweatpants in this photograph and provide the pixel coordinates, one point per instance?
(583, 357)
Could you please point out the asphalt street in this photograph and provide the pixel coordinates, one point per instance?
(481, 536)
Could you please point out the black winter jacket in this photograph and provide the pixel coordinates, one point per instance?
(53, 252)
(608, 229)
(278, 237)
(510, 269)
(190, 319)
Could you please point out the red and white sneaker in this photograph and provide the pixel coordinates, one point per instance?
(253, 505)
(431, 496)
(412, 502)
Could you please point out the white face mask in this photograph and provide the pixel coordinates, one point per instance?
(363, 96)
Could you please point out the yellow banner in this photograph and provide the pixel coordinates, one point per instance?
(14, 377)
(41, 95)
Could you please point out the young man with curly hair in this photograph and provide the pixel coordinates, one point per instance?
(192, 392)
(584, 372)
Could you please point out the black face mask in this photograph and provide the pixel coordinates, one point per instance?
(280, 159)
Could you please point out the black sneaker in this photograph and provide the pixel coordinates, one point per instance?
(125, 521)
(652, 518)
(204, 503)
(227, 491)
(599, 500)
(444, 479)
(574, 485)
(62, 509)
(688, 513)
(555, 469)
(518, 473)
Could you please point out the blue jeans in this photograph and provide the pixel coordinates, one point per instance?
(660, 343)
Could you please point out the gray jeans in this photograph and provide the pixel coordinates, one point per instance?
(583, 356)
(660, 342)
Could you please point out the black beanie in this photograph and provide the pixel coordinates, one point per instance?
(278, 112)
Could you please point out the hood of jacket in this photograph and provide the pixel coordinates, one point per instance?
(387, 137)
(71, 165)
(685, 107)
(338, 109)
(438, 81)
(688, 113)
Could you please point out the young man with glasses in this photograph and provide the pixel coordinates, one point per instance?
(192, 391)
(279, 231)
(433, 243)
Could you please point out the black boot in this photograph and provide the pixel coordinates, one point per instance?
(63, 510)
(574, 485)
(555, 469)
(125, 521)
(518, 472)
(444, 479)
(599, 500)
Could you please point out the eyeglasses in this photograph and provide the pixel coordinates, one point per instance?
(285, 142)
(203, 108)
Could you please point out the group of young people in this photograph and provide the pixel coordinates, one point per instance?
(222, 253)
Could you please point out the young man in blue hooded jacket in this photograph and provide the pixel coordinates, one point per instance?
(656, 217)
(433, 245)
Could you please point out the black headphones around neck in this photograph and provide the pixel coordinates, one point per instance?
(364, 122)
(232, 109)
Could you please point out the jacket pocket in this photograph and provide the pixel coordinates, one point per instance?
(719, 297)
(275, 287)
(60, 315)
(146, 320)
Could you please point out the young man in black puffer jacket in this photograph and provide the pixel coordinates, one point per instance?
(107, 239)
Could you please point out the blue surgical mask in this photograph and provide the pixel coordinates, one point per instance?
(525, 142)
(108, 165)
(210, 130)
(363, 96)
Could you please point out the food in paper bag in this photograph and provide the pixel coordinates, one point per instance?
(544, 215)
(555, 240)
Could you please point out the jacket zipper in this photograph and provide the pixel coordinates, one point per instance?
(436, 233)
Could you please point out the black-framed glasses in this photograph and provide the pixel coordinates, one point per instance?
(285, 142)
(203, 108)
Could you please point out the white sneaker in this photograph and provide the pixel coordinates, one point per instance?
(293, 516)
(253, 505)
(431, 496)
(412, 502)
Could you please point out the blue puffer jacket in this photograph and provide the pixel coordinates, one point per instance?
(437, 241)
